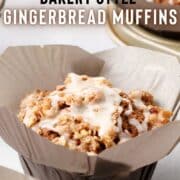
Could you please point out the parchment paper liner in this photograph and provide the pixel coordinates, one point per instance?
(23, 69)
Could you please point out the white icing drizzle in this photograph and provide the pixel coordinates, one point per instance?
(139, 103)
(50, 123)
(103, 117)
(146, 119)
(119, 120)
(28, 116)
(124, 137)
(130, 108)
(137, 124)
(55, 98)
(106, 106)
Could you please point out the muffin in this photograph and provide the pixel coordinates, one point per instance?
(88, 114)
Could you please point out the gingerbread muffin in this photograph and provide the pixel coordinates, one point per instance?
(88, 114)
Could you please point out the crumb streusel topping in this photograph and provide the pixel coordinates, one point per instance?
(88, 114)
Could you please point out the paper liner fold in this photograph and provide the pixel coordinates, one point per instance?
(7, 174)
(23, 69)
(146, 148)
(27, 68)
(131, 68)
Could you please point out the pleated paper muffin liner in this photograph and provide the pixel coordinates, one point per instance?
(24, 69)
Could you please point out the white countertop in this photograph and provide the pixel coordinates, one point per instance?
(91, 38)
